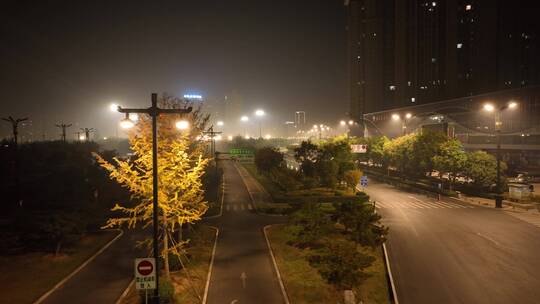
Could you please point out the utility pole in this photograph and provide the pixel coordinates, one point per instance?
(212, 134)
(15, 127)
(87, 132)
(154, 112)
(63, 126)
(498, 124)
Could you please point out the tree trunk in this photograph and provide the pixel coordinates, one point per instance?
(166, 249)
(180, 236)
(58, 247)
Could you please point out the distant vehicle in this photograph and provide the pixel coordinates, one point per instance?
(522, 178)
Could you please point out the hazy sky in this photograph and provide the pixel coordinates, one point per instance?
(66, 60)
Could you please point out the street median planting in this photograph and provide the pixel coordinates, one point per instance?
(305, 284)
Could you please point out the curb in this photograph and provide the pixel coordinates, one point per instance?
(222, 197)
(74, 272)
(126, 291)
(281, 285)
(389, 271)
(247, 189)
(206, 287)
(251, 195)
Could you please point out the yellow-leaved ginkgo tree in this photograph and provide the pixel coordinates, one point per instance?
(181, 164)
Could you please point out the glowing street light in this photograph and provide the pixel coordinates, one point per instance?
(342, 122)
(260, 113)
(113, 107)
(498, 124)
(134, 117)
(244, 118)
(230, 137)
(395, 116)
(127, 123)
(182, 125)
(408, 115)
(220, 123)
(268, 136)
(351, 122)
(489, 107)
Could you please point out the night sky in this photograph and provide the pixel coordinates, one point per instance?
(67, 60)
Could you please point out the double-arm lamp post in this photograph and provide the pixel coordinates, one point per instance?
(127, 123)
(498, 124)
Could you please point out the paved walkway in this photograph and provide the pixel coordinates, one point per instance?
(105, 278)
(242, 272)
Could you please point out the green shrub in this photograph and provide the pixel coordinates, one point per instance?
(341, 263)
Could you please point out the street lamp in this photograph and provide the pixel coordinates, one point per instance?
(220, 123)
(154, 112)
(260, 113)
(498, 124)
(182, 125)
(342, 123)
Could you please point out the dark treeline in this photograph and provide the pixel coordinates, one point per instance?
(53, 193)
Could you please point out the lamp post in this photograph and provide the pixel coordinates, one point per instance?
(260, 114)
(244, 119)
(63, 126)
(154, 112)
(15, 127)
(407, 116)
(498, 124)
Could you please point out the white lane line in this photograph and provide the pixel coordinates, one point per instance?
(389, 270)
(278, 274)
(418, 205)
(488, 238)
(424, 203)
(205, 297)
(449, 204)
(381, 204)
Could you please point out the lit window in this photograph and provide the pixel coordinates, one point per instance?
(392, 88)
(409, 83)
(468, 7)
(459, 45)
(357, 57)
(413, 99)
(433, 60)
(434, 3)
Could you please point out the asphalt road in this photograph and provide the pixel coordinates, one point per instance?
(457, 253)
(241, 249)
(104, 279)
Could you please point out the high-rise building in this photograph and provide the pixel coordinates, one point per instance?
(300, 119)
(408, 52)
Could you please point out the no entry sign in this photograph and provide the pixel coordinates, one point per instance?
(145, 273)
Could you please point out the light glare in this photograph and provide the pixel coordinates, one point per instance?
(395, 116)
(126, 123)
(182, 124)
(489, 107)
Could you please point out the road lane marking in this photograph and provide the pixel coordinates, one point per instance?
(243, 277)
(206, 287)
(488, 238)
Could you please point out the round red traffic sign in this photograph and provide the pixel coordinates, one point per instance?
(145, 268)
